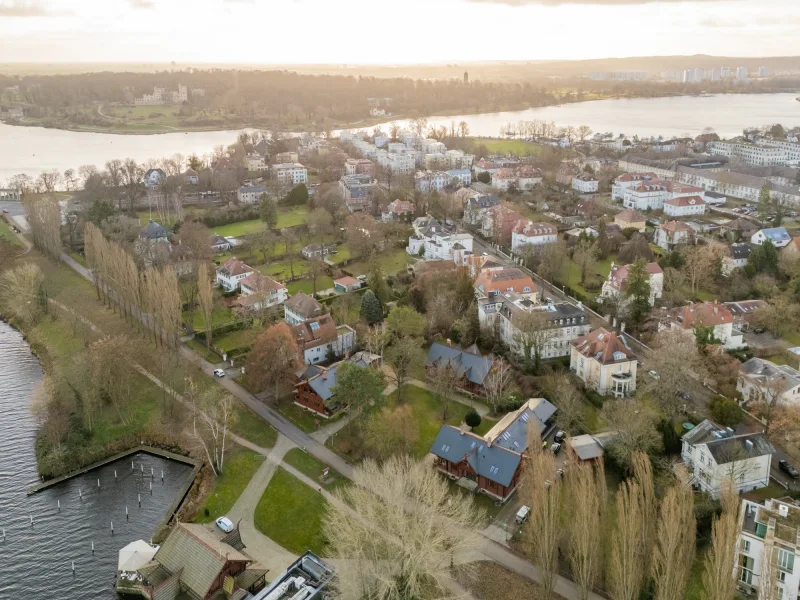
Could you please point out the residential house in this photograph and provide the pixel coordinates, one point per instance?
(715, 454)
(604, 362)
(777, 235)
(487, 166)
(319, 339)
(200, 562)
(761, 380)
(631, 219)
(220, 244)
(464, 176)
(315, 385)
(286, 157)
(652, 194)
(527, 233)
(318, 250)
(737, 256)
(685, 206)
(154, 178)
(499, 280)
(262, 147)
(587, 208)
(250, 194)
(155, 233)
(491, 464)
(616, 283)
(743, 312)
(436, 162)
(709, 314)
(528, 177)
(768, 550)
(260, 292)
(397, 210)
(292, 173)
(457, 159)
(792, 249)
(346, 284)
(585, 184)
(628, 180)
(736, 184)
(469, 365)
(673, 233)
(434, 243)
(738, 229)
(359, 166)
(504, 179)
(256, 163)
(499, 222)
(231, 273)
(503, 312)
(476, 206)
(566, 173)
(431, 181)
(191, 176)
(357, 187)
(301, 307)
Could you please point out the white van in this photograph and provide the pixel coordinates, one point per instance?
(522, 514)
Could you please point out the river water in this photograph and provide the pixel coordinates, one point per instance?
(32, 150)
(36, 561)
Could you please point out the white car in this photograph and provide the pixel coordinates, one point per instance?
(654, 375)
(219, 373)
(225, 524)
(522, 514)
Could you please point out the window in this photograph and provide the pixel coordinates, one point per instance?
(746, 546)
(786, 560)
(445, 448)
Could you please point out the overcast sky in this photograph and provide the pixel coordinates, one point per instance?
(390, 31)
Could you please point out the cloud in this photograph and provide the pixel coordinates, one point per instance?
(142, 4)
(27, 8)
(595, 2)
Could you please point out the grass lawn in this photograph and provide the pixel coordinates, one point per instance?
(704, 295)
(304, 419)
(220, 315)
(572, 275)
(516, 147)
(79, 259)
(793, 338)
(292, 216)
(391, 262)
(7, 234)
(253, 428)
(282, 269)
(236, 339)
(290, 513)
(240, 466)
(343, 253)
(288, 217)
(427, 413)
(199, 346)
(311, 467)
(306, 285)
(694, 585)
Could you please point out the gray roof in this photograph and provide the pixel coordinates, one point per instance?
(765, 371)
(154, 231)
(468, 363)
(304, 305)
(493, 462)
(515, 436)
(483, 201)
(258, 189)
(324, 383)
(737, 448)
(740, 251)
(776, 234)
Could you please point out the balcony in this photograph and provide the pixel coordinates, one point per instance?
(621, 377)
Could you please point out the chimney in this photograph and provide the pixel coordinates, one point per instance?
(324, 375)
(449, 342)
(464, 428)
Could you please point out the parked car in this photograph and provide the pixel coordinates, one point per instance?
(788, 469)
(759, 330)
(556, 448)
(654, 374)
(522, 514)
(559, 437)
(219, 373)
(225, 524)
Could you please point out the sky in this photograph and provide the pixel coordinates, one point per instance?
(390, 31)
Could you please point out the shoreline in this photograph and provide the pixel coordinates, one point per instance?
(370, 121)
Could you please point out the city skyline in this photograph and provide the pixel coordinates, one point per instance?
(361, 32)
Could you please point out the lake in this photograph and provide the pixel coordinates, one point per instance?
(36, 561)
(34, 149)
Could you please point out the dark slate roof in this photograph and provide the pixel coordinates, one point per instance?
(154, 231)
(324, 383)
(493, 462)
(484, 201)
(740, 251)
(304, 305)
(736, 448)
(470, 364)
(515, 435)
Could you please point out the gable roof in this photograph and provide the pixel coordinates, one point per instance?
(604, 346)
(630, 215)
(346, 281)
(740, 251)
(467, 363)
(261, 284)
(193, 548)
(740, 447)
(218, 240)
(740, 224)
(233, 266)
(765, 372)
(707, 314)
(488, 460)
(686, 201)
(315, 332)
(154, 231)
(304, 305)
(490, 280)
(529, 229)
(776, 234)
(511, 432)
(618, 275)
(673, 227)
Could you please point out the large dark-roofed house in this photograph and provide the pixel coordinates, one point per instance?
(469, 364)
(491, 464)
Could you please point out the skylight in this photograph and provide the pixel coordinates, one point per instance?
(314, 326)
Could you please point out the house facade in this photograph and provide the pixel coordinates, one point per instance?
(250, 194)
(685, 206)
(290, 173)
(585, 184)
(777, 235)
(761, 380)
(359, 166)
(318, 250)
(672, 234)
(709, 314)
(469, 365)
(527, 233)
(631, 219)
(319, 339)
(604, 362)
(614, 286)
(627, 180)
(715, 454)
(231, 273)
(301, 307)
(346, 284)
(736, 257)
(499, 280)
(259, 292)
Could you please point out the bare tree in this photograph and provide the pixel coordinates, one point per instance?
(497, 383)
(585, 256)
(586, 508)
(22, 292)
(405, 548)
(625, 572)
(534, 331)
(44, 218)
(403, 355)
(719, 580)
(444, 380)
(211, 422)
(680, 369)
(635, 429)
(675, 547)
(392, 431)
(205, 299)
(570, 403)
(700, 263)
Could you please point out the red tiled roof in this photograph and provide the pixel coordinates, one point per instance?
(674, 227)
(346, 281)
(261, 284)
(315, 332)
(491, 280)
(233, 266)
(529, 229)
(602, 345)
(505, 174)
(707, 314)
(618, 276)
(630, 215)
(636, 177)
(686, 201)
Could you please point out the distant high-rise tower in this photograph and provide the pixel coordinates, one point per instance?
(466, 78)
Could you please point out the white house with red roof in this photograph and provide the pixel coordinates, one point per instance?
(685, 206)
(397, 210)
(536, 234)
(231, 273)
(709, 314)
(528, 177)
(627, 180)
(504, 179)
(261, 291)
(673, 233)
(652, 194)
(614, 286)
(604, 362)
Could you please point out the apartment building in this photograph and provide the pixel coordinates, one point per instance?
(585, 184)
(685, 206)
(290, 173)
(526, 232)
